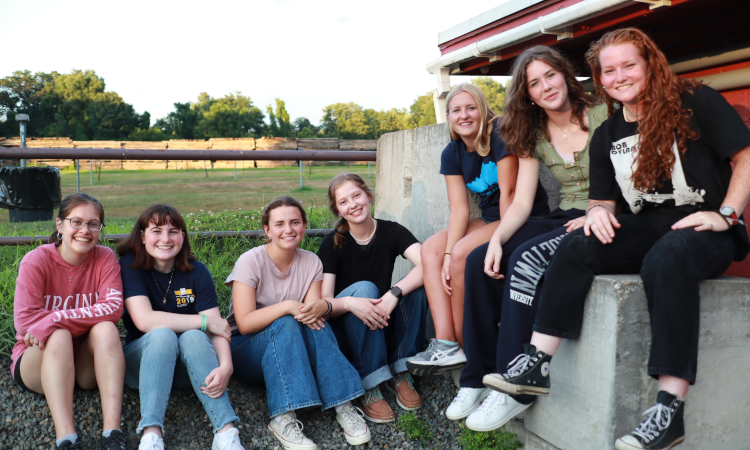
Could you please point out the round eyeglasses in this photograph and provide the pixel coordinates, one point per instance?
(78, 223)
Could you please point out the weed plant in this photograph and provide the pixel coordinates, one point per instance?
(494, 440)
(414, 428)
(218, 254)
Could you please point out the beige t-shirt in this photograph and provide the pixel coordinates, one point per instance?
(255, 269)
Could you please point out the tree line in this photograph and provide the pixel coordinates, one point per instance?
(76, 105)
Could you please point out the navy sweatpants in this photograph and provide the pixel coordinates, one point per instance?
(512, 301)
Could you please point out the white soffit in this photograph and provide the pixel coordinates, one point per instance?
(486, 18)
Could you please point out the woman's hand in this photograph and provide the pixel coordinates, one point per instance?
(575, 224)
(30, 340)
(219, 327)
(492, 259)
(368, 310)
(703, 221)
(602, 223)
(388, 303)
(216, 382)
(311, 314)
(446, 274)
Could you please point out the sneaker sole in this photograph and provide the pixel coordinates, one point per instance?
(421, 370)
(473, 408)
(398, 401)
(291, 445)
(516, 411)
(619, 445)
(499, 384)
(370, 419)
(358, 440)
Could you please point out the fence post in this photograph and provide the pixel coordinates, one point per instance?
(78, 176)
(235, 170)
(91, 170)
(22, 119)
(301, 168)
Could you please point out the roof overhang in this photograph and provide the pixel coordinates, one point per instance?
(686, 30)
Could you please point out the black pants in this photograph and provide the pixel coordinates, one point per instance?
(512, 301)
(671, 264)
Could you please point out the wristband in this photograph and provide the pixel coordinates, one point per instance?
(330, 309)
(592, 207)
(204, 322)
(447, 253)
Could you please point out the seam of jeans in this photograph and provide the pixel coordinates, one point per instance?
(171, 381)
(329, 405)
(288, 408)
(284, 388)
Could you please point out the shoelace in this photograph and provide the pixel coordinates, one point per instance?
(404, 376)
(293, 428)
(660, 416)
(461, 396)
(492, 400)
(520, 364)
(152, 446)
(373, 395)
(354, 418)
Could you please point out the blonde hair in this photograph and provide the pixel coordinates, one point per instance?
(342, 226)
(486, 116)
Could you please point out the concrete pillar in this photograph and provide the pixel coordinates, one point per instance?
(441, 92)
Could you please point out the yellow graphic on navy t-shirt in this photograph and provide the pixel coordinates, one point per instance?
(184, 297)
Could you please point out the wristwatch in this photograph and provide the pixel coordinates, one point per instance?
(396, 291)
(729, 215)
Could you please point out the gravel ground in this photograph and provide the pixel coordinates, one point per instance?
(26, 424)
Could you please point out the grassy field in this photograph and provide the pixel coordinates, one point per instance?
(125, 193)
(219, 255)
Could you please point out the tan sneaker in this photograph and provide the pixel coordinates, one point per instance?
(375, 408)
(406, 396)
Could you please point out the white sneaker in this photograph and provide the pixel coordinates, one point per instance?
(151, 441)
(466, 402)
(495, 412)
(228, 440)
(352, 420)
(288, 430)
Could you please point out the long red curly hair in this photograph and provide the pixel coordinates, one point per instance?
(662, 114)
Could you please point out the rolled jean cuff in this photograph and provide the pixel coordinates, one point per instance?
(400, 365)
(357, 394)
(152, 421)
(555, 333)
(234, 419)
(377, 377)
(288, 408)
(654, 372)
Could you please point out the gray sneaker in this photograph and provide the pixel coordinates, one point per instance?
(438, 357)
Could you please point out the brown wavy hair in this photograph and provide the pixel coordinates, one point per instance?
(522, 116)
(662, 112)
(277, 202)
(486, 114)
(342, 226)
(157, 214)
(67, 205)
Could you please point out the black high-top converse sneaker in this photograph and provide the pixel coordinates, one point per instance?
(527, 374)
(663, 429)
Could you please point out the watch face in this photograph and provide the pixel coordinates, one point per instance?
(396, 291)
(726, 211)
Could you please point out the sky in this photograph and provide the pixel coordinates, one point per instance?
(309, 53)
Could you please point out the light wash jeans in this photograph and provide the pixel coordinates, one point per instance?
(301, 367)
(378, 354)
(152, 366)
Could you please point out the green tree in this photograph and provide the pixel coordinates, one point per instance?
(22, 93)
(150, 134)
(347, 121)
(391, 120)
(303, 128)
(494, 91)
(230, 116)
(422, 111)
(180, 123)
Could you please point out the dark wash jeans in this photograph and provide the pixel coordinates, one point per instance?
(671, 263)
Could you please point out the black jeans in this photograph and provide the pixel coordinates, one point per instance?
(671, 264)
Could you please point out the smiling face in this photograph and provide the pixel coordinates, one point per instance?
(163, 243)
(285, 227)
(77, 243)
(464, 116)
(352, 203)
(546, 86)
(623, 72)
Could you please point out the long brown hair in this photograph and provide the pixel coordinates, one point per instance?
(663, 116)
(158, 214)
(342, 226)
(486, 114)
(70, 203)
(282, 200)
(521, 116)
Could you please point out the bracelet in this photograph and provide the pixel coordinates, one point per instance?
(592, 207)
(446, 253)
(204, 322)
(330, 309)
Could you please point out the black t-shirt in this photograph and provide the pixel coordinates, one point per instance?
(372, 262)
(189, 293)
(700, 177)
(480, 175)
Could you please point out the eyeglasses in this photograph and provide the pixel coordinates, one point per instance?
(78, 223)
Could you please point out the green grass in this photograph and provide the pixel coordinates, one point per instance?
(219, 254)
(493, 440)
(414, 428)
(125, 193)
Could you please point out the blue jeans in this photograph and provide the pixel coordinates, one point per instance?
(301, 367)
(377, 354)
(152, 366)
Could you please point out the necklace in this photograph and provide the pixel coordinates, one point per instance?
(565, 133)
(363, 240)
(164, 300)
(630, 113)
(80, 266)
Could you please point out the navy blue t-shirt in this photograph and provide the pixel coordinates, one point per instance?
(480, 175)
(189, 293)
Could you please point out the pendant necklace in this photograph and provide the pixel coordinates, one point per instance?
(367, 239)
(565, 133)
(164, 300)
(80, 266)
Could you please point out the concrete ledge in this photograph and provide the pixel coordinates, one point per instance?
(600, 386)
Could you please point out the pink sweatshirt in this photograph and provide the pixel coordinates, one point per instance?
(47, 299)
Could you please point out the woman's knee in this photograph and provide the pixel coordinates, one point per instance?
(105, 334)
(364, 289)
(433, 249)
(193, 338)
(160, 339)
(59, 342)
